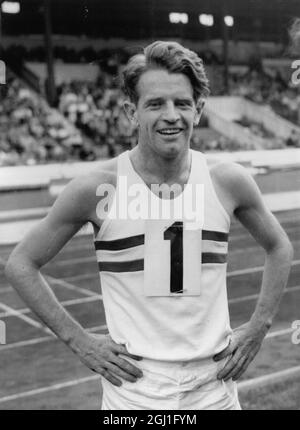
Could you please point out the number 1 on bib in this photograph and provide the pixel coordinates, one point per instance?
(172, 264)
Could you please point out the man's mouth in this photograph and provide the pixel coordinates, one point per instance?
(169, 131)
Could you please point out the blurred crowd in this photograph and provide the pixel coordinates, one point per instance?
(31, 132)
(274, 91)
(89, 121)
(96, 109)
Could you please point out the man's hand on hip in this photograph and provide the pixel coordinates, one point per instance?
(102, 355)
(245, 344)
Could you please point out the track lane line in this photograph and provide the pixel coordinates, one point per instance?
(49, 388)
(246, 235)
(255, 296)
(272, 378)
(232, 273)
(24, 318)
(82, 277)
(254, 248)
(43, 339)
(70, 302)
(95, 297)
(70, 286)
(253, 270)
(36, 341)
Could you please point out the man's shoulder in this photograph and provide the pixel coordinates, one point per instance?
(237, 182)
(80, 194)
(104, 172)
(228, 172)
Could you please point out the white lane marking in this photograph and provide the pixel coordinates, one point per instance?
(97, 328)
(255, 296)
(96, 297)
(82, 277)
(13, 312)
(272, 378)
(232, 273)
(29, 342)
(15, 345)
(71, 302)
(75, 261)
(43, 339)
(253, 270)
(242, 386)
(253, 248)
(246, 235)
(278, 333)
(31, 213)
(49, 388)
(69, 286)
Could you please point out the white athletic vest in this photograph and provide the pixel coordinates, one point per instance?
(163, 285)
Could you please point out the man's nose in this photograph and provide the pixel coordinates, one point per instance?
(170, 113)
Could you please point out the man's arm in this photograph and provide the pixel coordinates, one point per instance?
(70, 212)
(263, 226)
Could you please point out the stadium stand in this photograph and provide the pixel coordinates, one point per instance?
(89, 121)
(31, 132)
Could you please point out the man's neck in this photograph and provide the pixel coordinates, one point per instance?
(159, 169)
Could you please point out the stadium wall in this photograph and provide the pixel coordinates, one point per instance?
(39, 177)
(239, 51)
(66, 73)
(234, 108)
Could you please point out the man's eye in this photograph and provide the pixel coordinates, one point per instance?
(183, 104)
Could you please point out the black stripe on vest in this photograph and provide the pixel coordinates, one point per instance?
(121, 266)
(138, 265)
(216, 236)
(119, 244)
(132, 241)
(211, 257)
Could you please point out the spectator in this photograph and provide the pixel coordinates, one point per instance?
(30, 132)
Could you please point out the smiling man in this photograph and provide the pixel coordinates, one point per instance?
(170, 345)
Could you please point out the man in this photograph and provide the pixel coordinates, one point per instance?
(163, 280)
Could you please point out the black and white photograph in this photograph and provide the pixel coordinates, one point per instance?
(149, 207)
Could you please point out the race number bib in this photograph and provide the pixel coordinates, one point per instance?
(172, 262)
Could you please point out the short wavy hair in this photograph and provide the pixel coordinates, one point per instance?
(170, 56)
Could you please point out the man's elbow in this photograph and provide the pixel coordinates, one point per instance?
(11, 268)
(290, 250)
(286, 247)
(17, 266)
(281, 245)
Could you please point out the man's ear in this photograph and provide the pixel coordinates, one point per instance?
(199, 109)
(131, 112)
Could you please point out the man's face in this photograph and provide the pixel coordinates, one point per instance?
(165, 112)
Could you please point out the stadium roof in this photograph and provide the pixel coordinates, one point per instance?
(253, 19)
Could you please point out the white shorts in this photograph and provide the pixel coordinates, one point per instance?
(173, 386)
